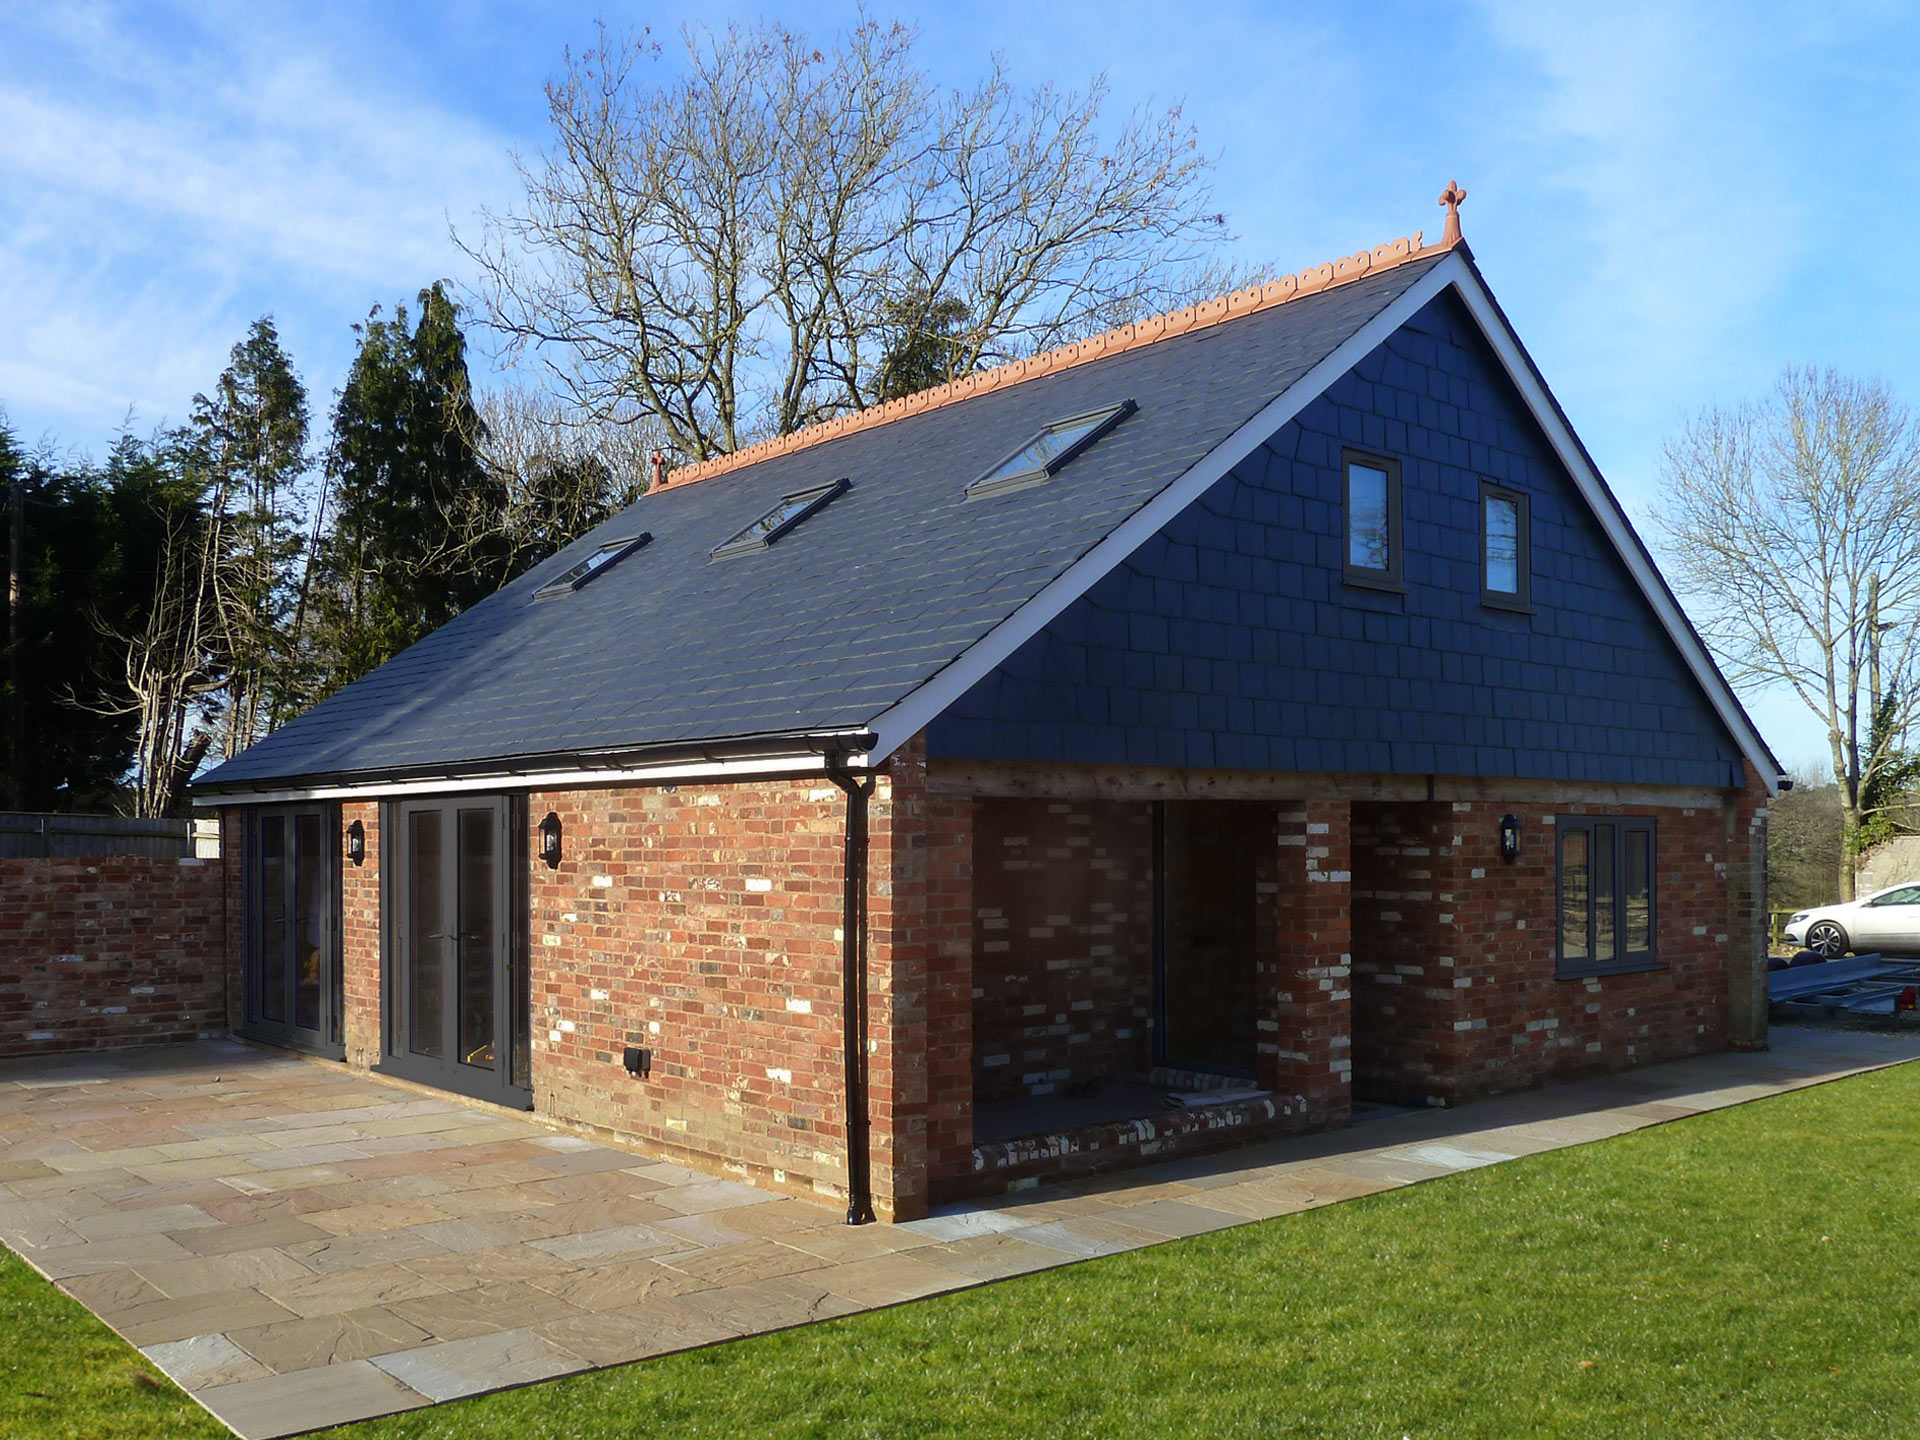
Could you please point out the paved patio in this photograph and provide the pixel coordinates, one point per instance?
(298, 1246)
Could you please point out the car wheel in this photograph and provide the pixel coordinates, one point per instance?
(1827, 940)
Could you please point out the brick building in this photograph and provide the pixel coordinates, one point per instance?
(1180, 738)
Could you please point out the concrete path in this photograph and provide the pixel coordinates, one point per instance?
(299, 1247)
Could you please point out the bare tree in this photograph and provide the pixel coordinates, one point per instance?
(562, 473)
(169, 674)
(734, 247)
(1794, 526)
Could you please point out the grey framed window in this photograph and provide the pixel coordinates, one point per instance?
(783, 517)
(1606, 895)
(1045, 454)
(585, 569)
(1506, 549)
(1370, 521)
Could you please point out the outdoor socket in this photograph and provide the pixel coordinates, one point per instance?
(639, 1061)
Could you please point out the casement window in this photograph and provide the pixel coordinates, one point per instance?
(1506, 561)
(1607, 906)
(1370, 521)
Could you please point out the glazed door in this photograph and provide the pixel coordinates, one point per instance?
(456, 989)
(292, 969)
(1207, 935)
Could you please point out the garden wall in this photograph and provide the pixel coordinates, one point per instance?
(102, 952)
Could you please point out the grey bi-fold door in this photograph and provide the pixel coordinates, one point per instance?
(456, 991)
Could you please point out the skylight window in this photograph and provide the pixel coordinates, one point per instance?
(1041, 457)
(791, 510)
(578, 574)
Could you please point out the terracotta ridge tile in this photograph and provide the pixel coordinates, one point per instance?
(1311, 281)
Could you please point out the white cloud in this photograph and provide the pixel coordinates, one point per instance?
(162, 189)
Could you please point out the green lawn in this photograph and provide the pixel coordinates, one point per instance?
(1744, 1274)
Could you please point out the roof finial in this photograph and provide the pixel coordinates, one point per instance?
(1451, 198)
(657, 464)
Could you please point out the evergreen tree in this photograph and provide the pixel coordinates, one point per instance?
(250, 438)
(419, 531)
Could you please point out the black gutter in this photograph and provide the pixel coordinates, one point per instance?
(853, 989)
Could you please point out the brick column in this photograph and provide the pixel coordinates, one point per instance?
(360, 939)
(1747, 917)
(1307, 1055)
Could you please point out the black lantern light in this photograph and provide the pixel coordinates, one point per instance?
(357, 843)
(1509, 838)
(550, 840)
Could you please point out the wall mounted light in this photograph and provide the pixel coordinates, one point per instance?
(357, 843)
(550, 840)
(1509, 838)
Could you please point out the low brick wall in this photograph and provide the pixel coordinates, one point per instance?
(101, 953)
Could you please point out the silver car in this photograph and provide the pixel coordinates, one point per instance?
(1887, 920)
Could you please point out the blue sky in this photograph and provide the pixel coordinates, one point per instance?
(1672, 200)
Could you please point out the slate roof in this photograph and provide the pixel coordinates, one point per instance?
(843, 617)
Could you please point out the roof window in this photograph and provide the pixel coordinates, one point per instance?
(791, 510)
(579, 573)
(1042, 456)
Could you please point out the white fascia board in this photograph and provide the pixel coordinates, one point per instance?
(905, 719)
(508, 780)
(1613, 520)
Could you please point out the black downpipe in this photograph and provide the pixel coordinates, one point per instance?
(853, 1004)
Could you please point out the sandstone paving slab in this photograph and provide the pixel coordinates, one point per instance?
(700, 1197)
(223, 1239)
(238, 1270)
(775, 1303)
(961, 1223)
(351, 1290)
(619, 1242)
(745, 1260)
(1063, 1236)
(456, 1368)
(375, 1217)
(617, 1337)
(462, 1314)
(994, 1257)
(113, 1292)
(887, 1279)
(465, 1269)
(277, 1405)
(289, 1345)
(1174, 1219)
(204, 1361)
(332, 1254)
(67, 1261)
(849, 1242)
(620, 1286)
(182, 1317)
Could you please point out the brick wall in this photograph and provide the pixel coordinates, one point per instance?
(107, 952)
(1306, 1027)
(1454, 963)
(1063, 941)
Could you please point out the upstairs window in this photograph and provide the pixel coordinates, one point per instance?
(791, 510)
(1370, 527)
(578, 574)
(1506, 564)
(1042, 456)
(1607, 912)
